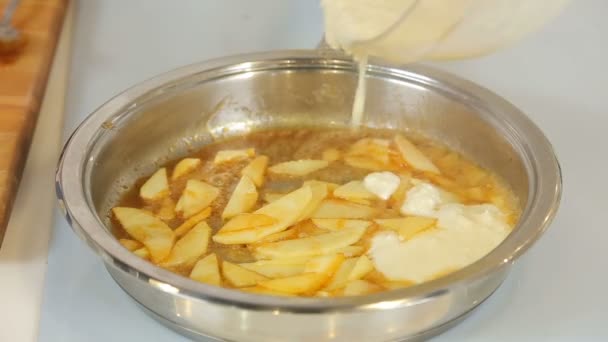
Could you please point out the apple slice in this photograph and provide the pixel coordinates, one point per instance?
(354, 191)
(362, 267)
(340, 278)
(285, 211)
(207, 270)
(233, 155)
(189, 248)
(256, 169)
(360, 287)
(196, 196)
(130, 244)
(331, 154)
(317, 273)
(274, 270)
(240, 277)
(351, 251)
(166, 212)
(146, 228)
(270, 197)
(280, 236)
(247, 221)
(264, 291)
(142, 253)
(243, 198)
(156, 187)
(192, 221)
(314, 245)
(407, 227)
(339, 224)
(331, 187)
(184, 167)
(413, 156)
(298, 168)
(336, 208)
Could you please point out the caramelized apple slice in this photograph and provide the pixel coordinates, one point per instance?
(239, 276)
(142, 253)
(184, 167)
(314, 245)
(331, 154)
(130, 244)
(272, 269)
(146, 228)
(360, 287)
(156, 187)
(285, 211)
(207, 270)
(340, 278)
(335, 208)
(196, 196)
(243, 198)
(407, 227)
(354, 191)
(233, 155)
(256, 169)
(413, 157)
(339, 224)
(298, 168)
(270, 197)
(247, 221)
(317, 272)
(166, 212)
(189, 248)
(362, 267)
(192, 221)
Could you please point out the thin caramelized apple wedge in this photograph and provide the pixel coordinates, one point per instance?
(284, 235)
(166, 212)
(264, 291)
(354, 191)
(156, 187)
(240, 277)
(196, 196)
(413, 156)
(298, 168)
(360, 288)
(189, 248)
(331, 154)
(142, 253)
(370, 154)
(339, 224)
(336, 208)
(130, 244)
(361, 268)
(207, 270)
(243, 198)
(270, 197)
(192, 221)
(340, 277)
(285, 211)
(316, 273)
(313, 245)
(233, 155)
(256, 169)
(274, 269)
(184, 167)
(146, 228)
(407, 227)
(248, 221)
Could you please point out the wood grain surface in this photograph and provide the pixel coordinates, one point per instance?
(23, 77)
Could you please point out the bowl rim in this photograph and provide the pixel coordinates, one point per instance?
(543, 169)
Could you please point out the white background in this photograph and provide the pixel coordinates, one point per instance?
(557, 291)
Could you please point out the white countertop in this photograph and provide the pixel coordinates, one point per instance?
(558, 76)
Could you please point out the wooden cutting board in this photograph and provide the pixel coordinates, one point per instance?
(23, 77)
